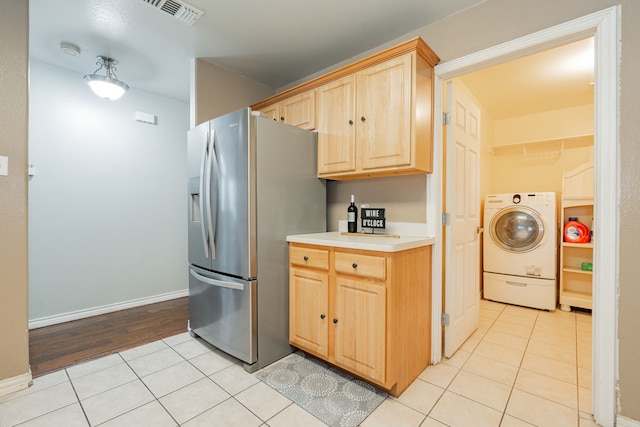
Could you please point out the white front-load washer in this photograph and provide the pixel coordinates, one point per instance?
(520, 249)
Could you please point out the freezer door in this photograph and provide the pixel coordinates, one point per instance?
(199, 233)
(222, 311)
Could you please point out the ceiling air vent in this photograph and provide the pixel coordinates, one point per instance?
(178, 9)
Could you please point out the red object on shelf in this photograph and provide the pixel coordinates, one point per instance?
(576, 232)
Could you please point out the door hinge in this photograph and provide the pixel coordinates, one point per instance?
(446, 118)
(444, 319)
(446, 218)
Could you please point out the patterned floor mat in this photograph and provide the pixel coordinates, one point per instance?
(332, 396)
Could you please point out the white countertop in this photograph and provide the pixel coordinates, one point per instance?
(369, 243)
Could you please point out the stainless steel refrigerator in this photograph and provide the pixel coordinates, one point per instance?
(252, 181)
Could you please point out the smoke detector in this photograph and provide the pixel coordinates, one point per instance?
(180, 10)
(70, 49)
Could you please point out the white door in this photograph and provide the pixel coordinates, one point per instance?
(462, 234)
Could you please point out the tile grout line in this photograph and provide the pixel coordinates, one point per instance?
(577, 409)
(513, 386)
(138, 378)
(231, 396)
(147, 387)
(208, 377)
(86, 417)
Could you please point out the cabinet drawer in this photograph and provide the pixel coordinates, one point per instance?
(314, 258)
(361, 265)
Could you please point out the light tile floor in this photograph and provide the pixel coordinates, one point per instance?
(522, 367)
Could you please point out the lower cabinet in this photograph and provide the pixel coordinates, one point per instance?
(366, 312)
(309, 306)
(360, 334)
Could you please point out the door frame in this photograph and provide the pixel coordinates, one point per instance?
(604, 26)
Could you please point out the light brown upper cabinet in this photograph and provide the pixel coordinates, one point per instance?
(374, 116)
(336, 117)
(298, 110)
(365, 124)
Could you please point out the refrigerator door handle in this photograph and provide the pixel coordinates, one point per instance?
(203, 197)
(214, 282)
(212, 205)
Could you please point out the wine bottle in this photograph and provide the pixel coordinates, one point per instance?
(352, 216)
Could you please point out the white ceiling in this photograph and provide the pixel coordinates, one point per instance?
(278, 42)
(275, 42)
(557, 78)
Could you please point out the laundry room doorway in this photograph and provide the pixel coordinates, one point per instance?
(602, 27)
(533, 120)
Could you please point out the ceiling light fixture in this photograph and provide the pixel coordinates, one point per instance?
(107, 86)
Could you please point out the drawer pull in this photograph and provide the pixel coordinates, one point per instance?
(306, 258)
(335, 320)
(354, 265)
(322, 316)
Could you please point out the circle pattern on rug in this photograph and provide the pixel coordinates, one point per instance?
(352, 418)
(359, 390)
(282, 378)
(319, 384)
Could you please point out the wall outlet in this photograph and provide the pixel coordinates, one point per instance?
(4, 166)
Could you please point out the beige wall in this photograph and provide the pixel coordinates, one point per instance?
(14, 45)
(563, 123)
(220, 91)
(403, 197)
(533, 171)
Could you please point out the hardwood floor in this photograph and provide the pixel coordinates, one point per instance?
(59, 346)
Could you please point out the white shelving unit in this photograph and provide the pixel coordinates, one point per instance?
(576, 284)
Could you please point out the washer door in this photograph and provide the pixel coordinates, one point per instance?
(517, 229)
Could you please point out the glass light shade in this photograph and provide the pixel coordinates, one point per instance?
(106, 87)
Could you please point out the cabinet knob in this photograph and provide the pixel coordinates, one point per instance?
(335, 320)
(350, 122)
(322, 316)
(354, 265)
(362, 119)
(282, 118)
(306, 258)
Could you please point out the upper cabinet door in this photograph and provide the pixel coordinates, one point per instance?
(336, 126)
(300, 110)
(384, 114)
(271, 112)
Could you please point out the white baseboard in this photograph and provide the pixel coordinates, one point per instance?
(110, 308)
(13, 384)
(626, 422)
